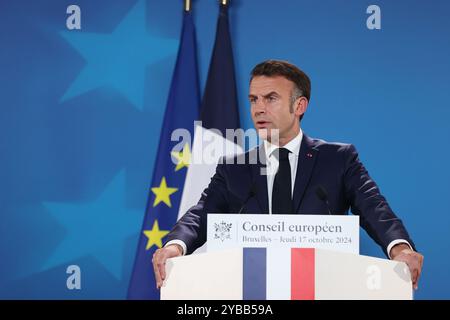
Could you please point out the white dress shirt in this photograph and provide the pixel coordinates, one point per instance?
(272, 163)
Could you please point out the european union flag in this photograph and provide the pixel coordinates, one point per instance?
(168, 177)
(219, 108)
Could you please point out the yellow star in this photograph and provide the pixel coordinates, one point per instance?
(183, 157)
(163, 193)
(155, 236)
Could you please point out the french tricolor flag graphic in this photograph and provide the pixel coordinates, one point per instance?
(268, 275)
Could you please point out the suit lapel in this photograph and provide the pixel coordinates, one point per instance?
(306, 161)
(259, 180)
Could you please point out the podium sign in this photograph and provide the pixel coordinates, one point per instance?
(330, 232)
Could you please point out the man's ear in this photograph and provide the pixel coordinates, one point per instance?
(300, 106)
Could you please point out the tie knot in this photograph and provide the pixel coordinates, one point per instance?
(283, 154)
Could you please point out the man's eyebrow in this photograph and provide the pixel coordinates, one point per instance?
(272, 93)
(266, 95)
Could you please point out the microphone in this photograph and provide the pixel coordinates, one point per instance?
(322, 194)
(250, 195)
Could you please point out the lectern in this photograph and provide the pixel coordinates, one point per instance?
(284, 274)
(284, 257)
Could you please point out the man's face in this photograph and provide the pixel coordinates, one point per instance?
(271, 107)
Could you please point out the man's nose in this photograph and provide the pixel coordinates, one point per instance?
(260, 107)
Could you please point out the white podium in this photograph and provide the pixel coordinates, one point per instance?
(286, 273)
(284, 257)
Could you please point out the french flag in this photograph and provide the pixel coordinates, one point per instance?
(268, 275)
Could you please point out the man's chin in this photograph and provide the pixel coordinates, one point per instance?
(268, 134)
(263, 133)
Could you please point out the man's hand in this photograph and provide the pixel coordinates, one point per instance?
(414, 260)
(159, 261)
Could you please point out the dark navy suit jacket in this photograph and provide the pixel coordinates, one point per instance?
(335, 166)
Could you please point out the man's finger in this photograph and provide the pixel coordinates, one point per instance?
(415, 278)
(419, 272)
(415, 273)
(156, 270)
(162, 268)
(159, 262)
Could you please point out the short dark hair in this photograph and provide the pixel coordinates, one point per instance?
(272, 68)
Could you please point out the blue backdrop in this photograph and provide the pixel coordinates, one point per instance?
(81, 113)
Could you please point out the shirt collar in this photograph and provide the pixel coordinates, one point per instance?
(293, 145)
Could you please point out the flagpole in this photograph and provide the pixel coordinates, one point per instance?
(187, 5)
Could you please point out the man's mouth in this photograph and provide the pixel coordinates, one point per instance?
(262, 124)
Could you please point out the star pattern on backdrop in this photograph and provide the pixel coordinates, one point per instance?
(119, 59)
(98, 228)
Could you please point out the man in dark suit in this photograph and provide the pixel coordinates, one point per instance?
(300, 173)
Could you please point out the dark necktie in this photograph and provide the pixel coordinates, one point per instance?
(281, 192)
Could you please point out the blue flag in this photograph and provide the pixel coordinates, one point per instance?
(170, 166)
(219, 105)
